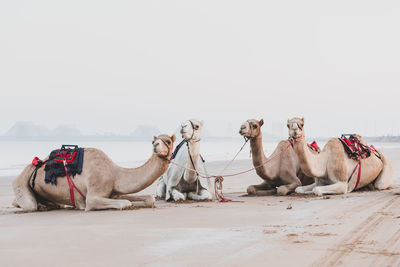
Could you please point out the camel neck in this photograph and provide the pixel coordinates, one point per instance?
(310, 162)
(132, 180)
(257, 150)
(194, 150)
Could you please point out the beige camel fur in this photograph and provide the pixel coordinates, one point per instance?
(105, 185)
(332, 167)
(281, 172)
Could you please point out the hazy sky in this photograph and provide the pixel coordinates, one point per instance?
(108, 66)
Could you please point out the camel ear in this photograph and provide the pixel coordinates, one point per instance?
(202, 123)
(261, 122)
(155, 137)
(302, 119)
(173, 138)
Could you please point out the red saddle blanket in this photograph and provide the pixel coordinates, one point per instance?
(355, 148)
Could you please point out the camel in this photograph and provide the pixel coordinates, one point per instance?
(333, 169)
(105, 185)
(178, 183)
(282, 174)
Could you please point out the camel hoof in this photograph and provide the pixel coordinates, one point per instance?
(317, 191)
(282, 191)
(178, 196)
(251, 190)
(299, 190)
(125, 204)
(150, 201)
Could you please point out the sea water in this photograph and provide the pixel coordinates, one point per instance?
(15, 155)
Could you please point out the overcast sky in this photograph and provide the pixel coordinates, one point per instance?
(108, 66)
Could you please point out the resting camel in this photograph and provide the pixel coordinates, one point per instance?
(281, 174)
(333, 168)
(178, 183)
(105, 185)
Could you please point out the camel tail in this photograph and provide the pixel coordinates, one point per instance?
(384, 179)
(24, 196)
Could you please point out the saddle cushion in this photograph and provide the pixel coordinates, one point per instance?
(55, 164)
(355, 148)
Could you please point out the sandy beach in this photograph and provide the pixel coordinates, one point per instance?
(360, 228)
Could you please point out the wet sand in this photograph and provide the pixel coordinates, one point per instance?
(357, 229)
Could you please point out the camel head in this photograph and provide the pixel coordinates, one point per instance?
(295, 126)
(191, 130)
(163, 145)
(251, 128)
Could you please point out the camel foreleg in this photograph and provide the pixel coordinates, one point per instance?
(203, 195)
(161, 188)
(307, 189)
(102, 203)
(145, 201)
(263, 189)
(283, 190)
(336, 188)
(178, 196)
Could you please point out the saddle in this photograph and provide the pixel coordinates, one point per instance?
(67, 161)
(73, 156)
(355, 148)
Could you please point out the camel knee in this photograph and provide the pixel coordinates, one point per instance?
(149, 201)
(251, 190)
(382, 184)
(28, 205)
(25, 202)
(282, 190)
(384, 179)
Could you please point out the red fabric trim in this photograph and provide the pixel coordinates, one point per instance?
(35, 161)
(314, 145)
(358, 174)
(63, 154)
(71, 186)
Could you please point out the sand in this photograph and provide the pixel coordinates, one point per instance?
(357, 229)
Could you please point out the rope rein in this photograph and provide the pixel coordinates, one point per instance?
(220, 178)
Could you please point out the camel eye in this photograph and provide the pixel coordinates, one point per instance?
(168, 142)
(255, 126)
(302, 125)
(152, 142)
(287, 125)
(196, 127)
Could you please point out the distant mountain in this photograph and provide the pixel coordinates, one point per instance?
(27, 129)
(144, 131)
(30, 129)
(66, 131)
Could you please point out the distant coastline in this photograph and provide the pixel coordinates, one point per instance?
(29, 131)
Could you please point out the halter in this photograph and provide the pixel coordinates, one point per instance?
(302, 135)
(251, 132)
(169, 150)
(192, 125)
